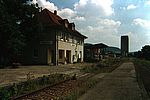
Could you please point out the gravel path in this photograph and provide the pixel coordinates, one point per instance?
(121, 84)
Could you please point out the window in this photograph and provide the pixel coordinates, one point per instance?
(81, 41)
(78, 41)
(73, 41)
(66, 24)
(80, 54)
(61, 36)
(76, 53)
(67, 37)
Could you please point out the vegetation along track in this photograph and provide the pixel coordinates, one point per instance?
(143, 73)
(54, 92)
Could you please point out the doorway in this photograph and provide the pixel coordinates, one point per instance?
(61, 57)
(49, 56)
(68, 56)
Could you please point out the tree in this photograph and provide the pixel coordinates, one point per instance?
(146, 52)
(138, 54)
(13, 14)
(11, 38)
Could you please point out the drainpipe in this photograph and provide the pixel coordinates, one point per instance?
(56, 51)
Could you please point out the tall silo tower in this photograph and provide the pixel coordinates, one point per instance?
(124, 45)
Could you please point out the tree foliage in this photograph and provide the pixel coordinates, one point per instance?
(146, 52)
(14, 14)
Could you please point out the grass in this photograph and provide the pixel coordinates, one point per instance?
(142, 68)
(30, 85)
(86, 84)
(102, 66)
(83, 87)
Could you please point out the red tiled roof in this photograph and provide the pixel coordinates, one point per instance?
(47, 17)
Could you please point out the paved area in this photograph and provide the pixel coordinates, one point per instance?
(121, 84)
(10, 76)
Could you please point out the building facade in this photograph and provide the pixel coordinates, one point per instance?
(124, 45)
(58, 43)
(97, 52)
(94, 52)
(112, 52)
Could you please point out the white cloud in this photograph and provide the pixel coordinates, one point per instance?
(83, 2)
(79, 18)
(131, 7)
(82, 10)
(109, 23)
(34, 1)
(93, 19)
(105, 4)
(90, 28)
(67, 13)
(46, 4)
(122, 8)
(90, 11)
(147, 2)
(136, 38)
(141, 22)
(104, 30)
(103, 7)
(142, 35)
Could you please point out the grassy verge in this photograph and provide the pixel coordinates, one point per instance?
(30, 85)
(83, 87)
(142, 68)
(105, 66)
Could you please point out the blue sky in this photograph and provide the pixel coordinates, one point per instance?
(105, 21)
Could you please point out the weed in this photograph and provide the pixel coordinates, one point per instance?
(83, 87)
(31, 85)
(103, 66)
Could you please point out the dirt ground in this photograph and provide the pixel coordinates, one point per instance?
(10, 76)
(121, 84)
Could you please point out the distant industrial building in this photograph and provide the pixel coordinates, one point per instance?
(124, 45)
(100, 51)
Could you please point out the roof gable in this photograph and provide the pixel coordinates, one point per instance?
(52, 19)
(47, 17)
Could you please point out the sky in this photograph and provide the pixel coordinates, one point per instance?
(105, 21)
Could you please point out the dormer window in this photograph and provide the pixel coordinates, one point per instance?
(67, 37)
(72, 26)
(66, 25)
(65, 21)
(61, 36)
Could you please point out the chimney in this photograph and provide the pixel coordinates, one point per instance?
(55, 12)
(40, 9)
(73, 26)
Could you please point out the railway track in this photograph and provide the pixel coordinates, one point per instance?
(54, 92)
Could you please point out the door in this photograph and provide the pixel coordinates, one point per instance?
(68, 56)
(49, 56)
